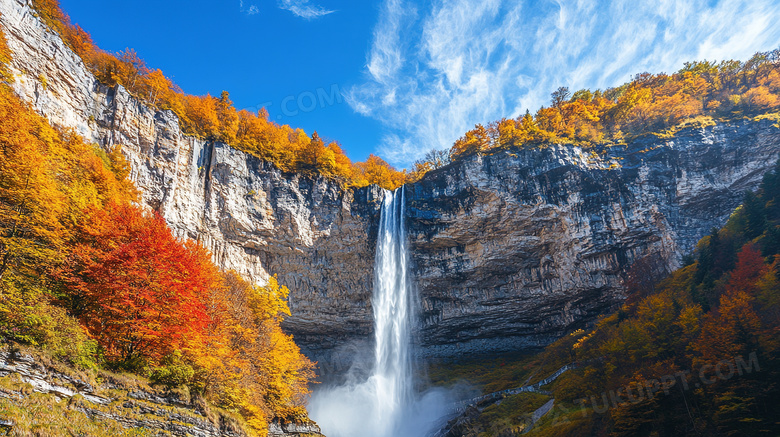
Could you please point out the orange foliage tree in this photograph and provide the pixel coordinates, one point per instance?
(376, 171)
(137, 290)
(246, 363)
(47, 178)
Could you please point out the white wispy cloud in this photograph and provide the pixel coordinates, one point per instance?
(248, 10)
(432, 74)
(303, 9)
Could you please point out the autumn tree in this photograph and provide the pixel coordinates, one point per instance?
(137, 290)
(437, 158)
(247, 363)
(643, 276)
(158, 86)
(560, 96)
(376, 171)
(475, 141)
(30, 196)
(342, 164)
(228, 119)
(749, 267)
(312, 152)
(137, 66)
(200, 116)
(46, 179)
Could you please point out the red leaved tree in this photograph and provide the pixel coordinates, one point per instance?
(750, 267)
(137, 289)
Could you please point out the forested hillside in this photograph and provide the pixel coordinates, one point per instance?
(708, 333)
(95, 280)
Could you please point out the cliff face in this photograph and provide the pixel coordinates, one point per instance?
(509, 250)
(514, 249)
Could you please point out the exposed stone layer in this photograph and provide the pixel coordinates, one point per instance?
(157, 413)
(514, 249)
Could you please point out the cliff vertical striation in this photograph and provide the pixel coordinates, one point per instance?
(514, 249)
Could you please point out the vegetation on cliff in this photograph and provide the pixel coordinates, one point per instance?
(700, 94)
(704, 339)
(215, 118)
(96, 280)
(650, 104)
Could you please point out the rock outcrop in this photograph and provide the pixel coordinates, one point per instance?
(119, 401)
(509, 250)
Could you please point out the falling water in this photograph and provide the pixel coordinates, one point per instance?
(384, 404)
(392, 314)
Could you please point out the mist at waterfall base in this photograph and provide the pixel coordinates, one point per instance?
(350, 411)
(382, 402)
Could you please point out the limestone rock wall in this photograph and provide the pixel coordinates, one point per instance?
(514, 249)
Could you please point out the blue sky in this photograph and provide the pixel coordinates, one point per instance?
(413, 76)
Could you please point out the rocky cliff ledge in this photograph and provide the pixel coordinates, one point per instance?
(510, 250)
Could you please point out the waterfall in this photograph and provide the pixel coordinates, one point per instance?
(384, 404)
(393, 314)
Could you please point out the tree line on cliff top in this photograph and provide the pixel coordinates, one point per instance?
(699, 94)
(215, 118)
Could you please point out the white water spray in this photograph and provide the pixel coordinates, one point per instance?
(384, 405)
